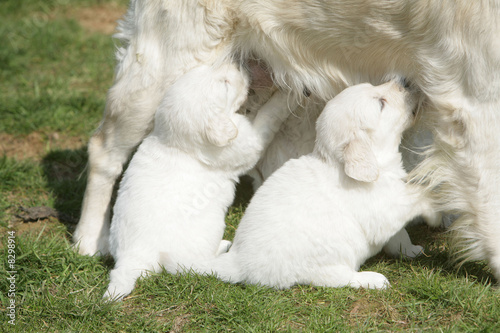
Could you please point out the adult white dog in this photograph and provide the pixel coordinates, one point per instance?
(180, 182)
(449, 49)
(319, 217)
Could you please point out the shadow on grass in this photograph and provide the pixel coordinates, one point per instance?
(244, 192)
(445, 263)
(66, 176)
(439, 257)
(65, 171)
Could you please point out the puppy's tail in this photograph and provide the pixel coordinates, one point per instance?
(224, 267)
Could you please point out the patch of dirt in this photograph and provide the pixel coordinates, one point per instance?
(99, 18)
(33, 214)
(41, 227)
(364, 309)
(19, 215)
(36, 144)
(179, 322)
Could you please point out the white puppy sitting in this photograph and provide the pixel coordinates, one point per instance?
(175, 193)
(319, 217)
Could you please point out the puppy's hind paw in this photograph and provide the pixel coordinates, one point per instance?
(369, 280)
(223, 247)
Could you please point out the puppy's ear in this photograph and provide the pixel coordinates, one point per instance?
(220, 130)
(359, 161)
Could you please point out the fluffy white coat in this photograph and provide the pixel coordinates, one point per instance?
(319, 217)
(449, 49)
(296, 138)
(175, 193)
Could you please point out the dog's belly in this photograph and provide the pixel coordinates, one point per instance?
(329, 45)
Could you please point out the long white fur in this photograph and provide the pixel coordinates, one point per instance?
(180, 182)
(297, 137)
(449, 49)
(161, 40)
(319, 217)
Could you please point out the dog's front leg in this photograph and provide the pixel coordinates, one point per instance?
(400, 243)
(128, 118)
(130, 107)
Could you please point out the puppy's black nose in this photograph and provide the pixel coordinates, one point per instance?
(405, 83)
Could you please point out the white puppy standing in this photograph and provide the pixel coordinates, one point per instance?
(319, 217)
(175, 193)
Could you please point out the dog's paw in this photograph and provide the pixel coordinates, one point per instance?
(223, 247)
(410, 251)
(115, 294)
(413, 251)
(400, 245)
(448, 220)
(110, 297)
(90, 239)
(369, 280)
(89, 246)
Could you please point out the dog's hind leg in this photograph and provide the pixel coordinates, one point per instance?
(463, 175)
(477, 230)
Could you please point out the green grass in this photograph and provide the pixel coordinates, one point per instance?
(53, 79)
(52, 73)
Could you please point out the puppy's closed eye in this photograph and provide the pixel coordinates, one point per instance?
(383, 103)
